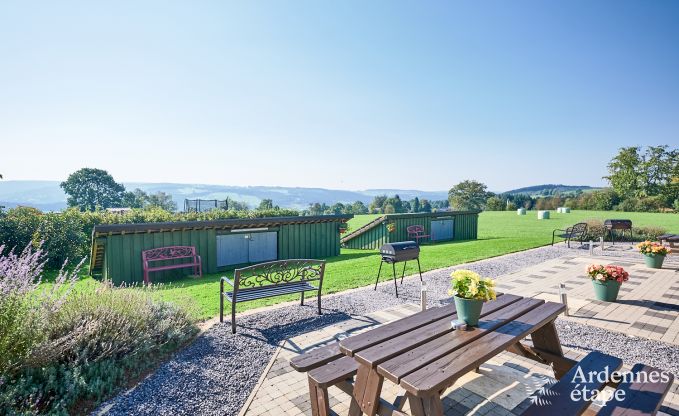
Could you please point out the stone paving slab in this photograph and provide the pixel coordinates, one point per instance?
(647, 306)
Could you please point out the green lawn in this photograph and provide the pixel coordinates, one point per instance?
(499, 233)
(360, 220)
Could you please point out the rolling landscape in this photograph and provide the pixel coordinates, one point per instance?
(48, 196)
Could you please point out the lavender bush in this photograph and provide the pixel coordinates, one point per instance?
(61, 347)
(24, 308)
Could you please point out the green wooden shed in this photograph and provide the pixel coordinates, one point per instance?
(222, 244)
(441, 226)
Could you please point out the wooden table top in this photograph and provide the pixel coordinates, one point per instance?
(425, 355)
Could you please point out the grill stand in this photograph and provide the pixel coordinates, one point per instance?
(611, 234)
(393, 267)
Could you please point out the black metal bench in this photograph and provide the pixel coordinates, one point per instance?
(643, 396)
(269, 279)
(576, 232)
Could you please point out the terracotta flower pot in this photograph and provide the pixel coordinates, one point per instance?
(606, 291)
(468, 310)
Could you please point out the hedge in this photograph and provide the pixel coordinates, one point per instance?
(66, 235)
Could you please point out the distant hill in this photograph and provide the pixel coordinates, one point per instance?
(48, 196)
(550, 189)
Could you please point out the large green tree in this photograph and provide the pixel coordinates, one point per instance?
(653, 172)
(359, 207)
(468, 195)
(161, 200)
(135, 199)
(89, 189)
(265, 204)
(415, 204)
(625, 173)
(377, 204)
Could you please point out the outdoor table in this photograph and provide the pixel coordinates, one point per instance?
(424, 355)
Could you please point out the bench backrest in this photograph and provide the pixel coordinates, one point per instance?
(279, 272)
(168, 253)
(415, 229)
(579, 229)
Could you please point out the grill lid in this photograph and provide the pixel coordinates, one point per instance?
(393, 248)
(618, 224)
(401, 251)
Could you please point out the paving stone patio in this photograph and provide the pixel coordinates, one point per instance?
(506, 383)
(647, 306)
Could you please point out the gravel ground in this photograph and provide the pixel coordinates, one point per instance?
(216, 373)
(631, 349)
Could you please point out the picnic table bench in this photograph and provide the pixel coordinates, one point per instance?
(424, 355)
(417, 233)
(671, 241)
(165, 254)
(576, 232)
(274, 278)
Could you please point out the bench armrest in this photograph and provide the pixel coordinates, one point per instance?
(225, 279)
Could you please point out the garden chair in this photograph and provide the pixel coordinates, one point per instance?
(576, 232)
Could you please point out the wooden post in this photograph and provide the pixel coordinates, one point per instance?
(367, 389)
(547, 339)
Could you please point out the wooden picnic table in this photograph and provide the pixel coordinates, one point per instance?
(425, 356)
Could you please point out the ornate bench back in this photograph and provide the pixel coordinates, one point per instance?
(279, 272)
(168, 253)
(579, 229)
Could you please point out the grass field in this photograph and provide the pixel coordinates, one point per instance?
(360, 220)
(499, 233)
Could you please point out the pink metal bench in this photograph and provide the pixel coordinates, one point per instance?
(170, 253)
(417, 232)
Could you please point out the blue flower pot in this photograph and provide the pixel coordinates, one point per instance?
(606, 291)
(468, 310)
(654, 261)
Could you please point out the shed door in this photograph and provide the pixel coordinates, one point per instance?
(442, 229)
(263, 247)
(245, 248)
(232, 249)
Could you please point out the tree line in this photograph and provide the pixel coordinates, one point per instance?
(381, 204)
(640, 179)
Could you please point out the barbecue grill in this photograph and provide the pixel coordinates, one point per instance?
(401, 252)
(621, 225)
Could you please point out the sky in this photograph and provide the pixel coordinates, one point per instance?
(343, 95)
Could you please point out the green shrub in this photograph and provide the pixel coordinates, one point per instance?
(60, 348)
(628, 205)
(650, 204)
(18, 225)
(62, 236)
(95, 341)
(648, 233)
(495, 204)
(596, 229)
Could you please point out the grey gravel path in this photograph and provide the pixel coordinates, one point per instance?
(215, 374)
(629, 348)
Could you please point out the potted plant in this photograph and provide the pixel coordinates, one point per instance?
(470, 291)
(607, 280)
(654, 253)
(391, 227)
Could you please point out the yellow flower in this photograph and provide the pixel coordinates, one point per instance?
(473, 287)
